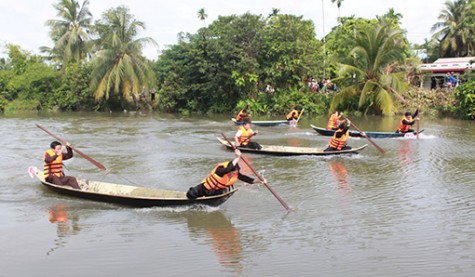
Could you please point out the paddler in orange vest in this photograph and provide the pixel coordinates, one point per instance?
(242, 114)
(244, 134)
(221, 179)
(293, 115)
(53, 165)
(338, 141)
(334, 121)
(407, 121)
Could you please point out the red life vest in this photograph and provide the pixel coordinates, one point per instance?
(339, 143)
(55, 167)
(214, 182)
(404, 128)
(245, 135)
(332, 122)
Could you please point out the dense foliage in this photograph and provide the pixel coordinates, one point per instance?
(271, 62)
(234, 59)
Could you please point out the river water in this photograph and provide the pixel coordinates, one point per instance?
(410, 212)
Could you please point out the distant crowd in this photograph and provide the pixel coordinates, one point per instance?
(322, 86)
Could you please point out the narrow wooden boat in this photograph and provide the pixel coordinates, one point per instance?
(262, 123)
(127, 195)
(325, 132)
(278, 150)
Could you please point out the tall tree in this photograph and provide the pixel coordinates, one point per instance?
(455, 31)
(202, 15)
(70, 32)
(338, 4)
(120, 68)
(371, 76)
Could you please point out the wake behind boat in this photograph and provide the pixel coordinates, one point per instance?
(262, 123)
(278, 150)
(325, 132)
(127, 195)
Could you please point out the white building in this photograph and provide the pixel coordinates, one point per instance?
(439, 69)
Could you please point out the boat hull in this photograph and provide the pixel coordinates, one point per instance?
(277, 150)
(132, 196)
(263, 123)
(325, 132)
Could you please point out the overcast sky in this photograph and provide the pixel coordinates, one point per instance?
(22, 22)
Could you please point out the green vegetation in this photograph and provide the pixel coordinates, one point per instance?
(232, 62)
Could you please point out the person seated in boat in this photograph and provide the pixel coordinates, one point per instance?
(293, 115)
(407, 121)
(53, 165)
(244, 134)
(334, 121)
(221, 179)
(242, 114)
(338, 141)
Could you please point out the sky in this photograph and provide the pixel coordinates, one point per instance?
(23, 21)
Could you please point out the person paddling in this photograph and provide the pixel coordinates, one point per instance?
(334, 121)
(338, 141)
(293, 115)
(244, 134)
(407, 121)
(242, 114)
(221, 179)
(53, 165)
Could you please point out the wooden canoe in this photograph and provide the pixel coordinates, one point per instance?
(127, 195)
(325, 132)
(262, 123)
(278, 150)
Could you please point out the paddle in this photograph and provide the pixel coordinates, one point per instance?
(366, 136)
(249, 137)
(299, 117)
(417, 123)
(259, 176)
(96, 163)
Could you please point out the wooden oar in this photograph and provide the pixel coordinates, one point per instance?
(417, 129)
(249, 137)
(301, 112)
(368, 138)
(96, 163)
(419, 116)
(259, 176)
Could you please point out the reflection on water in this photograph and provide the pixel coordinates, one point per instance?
(405, 152)
(65, 226)
(216, 230)
(340, 173)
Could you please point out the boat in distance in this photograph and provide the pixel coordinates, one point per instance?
(326, 132)
(278, 150)
(127, 195)
(262, 123)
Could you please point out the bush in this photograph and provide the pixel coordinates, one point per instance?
(465, 100)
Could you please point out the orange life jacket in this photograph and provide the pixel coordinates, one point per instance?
(214, 182)
(293, 114)
(245, 136)
(404, 128)
(55, 167)
(332, 122)
(241, 115)
(339, 143)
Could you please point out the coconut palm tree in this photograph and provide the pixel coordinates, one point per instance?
(202, 15)
(120, 69)
(70, 32)
(454, 32)
(338, 4)
(370, 75)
